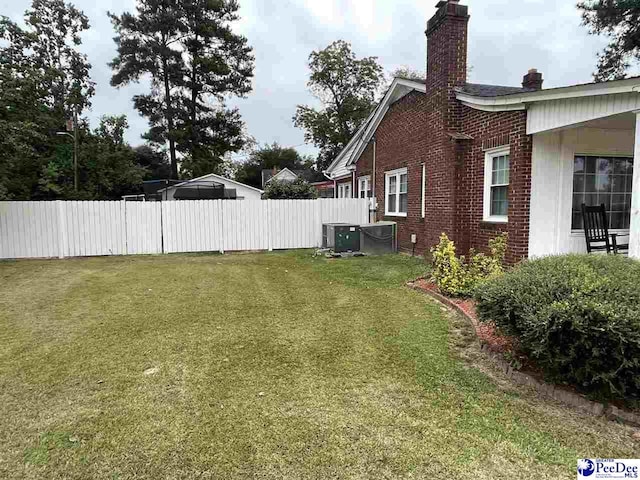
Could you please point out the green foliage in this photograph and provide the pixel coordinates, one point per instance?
(456, 276)
(297, 189)
(195, 60)
(154, 162)
(620, 21)
(347, 88)
(576, 316)
(43, 79)
(267, 158)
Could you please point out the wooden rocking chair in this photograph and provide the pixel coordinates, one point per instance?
(596, 231)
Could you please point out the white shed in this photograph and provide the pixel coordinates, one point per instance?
(242, 191)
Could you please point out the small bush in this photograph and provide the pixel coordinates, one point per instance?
(455, 276)
(297, 189)
(576, 316)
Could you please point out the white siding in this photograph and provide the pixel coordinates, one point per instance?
(61, 229)
(243, 191)
(553, 114)
(552, 184)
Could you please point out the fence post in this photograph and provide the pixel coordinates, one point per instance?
(62, 229)
(123, 207)
(220, 225)
(319, 216)
(269, 227)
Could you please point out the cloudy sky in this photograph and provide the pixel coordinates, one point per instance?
(506, 38)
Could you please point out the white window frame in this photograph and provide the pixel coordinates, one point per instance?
(489, 155)
(344, 189)
(367, 186)
(387, 176)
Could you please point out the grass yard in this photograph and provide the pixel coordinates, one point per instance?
(260, 365)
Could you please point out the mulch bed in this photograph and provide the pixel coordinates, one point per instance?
(524, 371)
(488, 334)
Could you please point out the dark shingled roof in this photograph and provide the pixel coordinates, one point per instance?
(479, 90)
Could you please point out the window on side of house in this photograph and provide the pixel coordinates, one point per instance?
(602, 180)
(396, 193)
(364, 187)
(344, 190)
(496, 185)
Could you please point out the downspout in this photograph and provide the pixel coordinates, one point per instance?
(353, 184)
(373, 184)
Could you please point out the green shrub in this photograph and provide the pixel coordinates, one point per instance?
(576, 316)
(457, 276)
(297, 189)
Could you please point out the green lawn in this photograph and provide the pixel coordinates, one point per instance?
(260, 365)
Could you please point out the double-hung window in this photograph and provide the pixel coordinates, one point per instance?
(344, 190)
(396, 193)
(496, 185)
(364, 187)
(601, 180)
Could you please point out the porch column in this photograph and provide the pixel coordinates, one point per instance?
(634, 228)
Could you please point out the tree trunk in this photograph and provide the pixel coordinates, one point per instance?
(194, 101)
(170, 125)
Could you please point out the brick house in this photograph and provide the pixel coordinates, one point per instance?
(473, 160)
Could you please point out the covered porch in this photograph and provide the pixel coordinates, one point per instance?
(583, 151)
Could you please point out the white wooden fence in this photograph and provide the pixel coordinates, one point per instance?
(76, 229)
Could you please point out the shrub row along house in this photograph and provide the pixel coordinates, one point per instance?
(474, 160)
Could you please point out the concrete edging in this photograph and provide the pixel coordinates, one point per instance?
(544, 389)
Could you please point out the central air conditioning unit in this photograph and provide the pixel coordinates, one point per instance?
(379, 238)
(341, 237)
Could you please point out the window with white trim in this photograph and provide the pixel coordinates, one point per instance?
(603, 180)
(496, 185)
(344, 190)
(364, 187)
(396, 194)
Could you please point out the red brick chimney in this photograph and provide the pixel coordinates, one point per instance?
(446, 69)
(532, 80)
(447, 45)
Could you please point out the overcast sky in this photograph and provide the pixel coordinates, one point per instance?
(506, 38)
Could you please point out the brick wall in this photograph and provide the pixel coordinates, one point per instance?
(446, 70)
(400, 142)
(418, 129)
(490, 130)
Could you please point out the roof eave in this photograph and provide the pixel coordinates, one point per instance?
(518, 101)
(365, 132)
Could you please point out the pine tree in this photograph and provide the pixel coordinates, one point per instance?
(148, 42)
(219, 64)
(620, 20)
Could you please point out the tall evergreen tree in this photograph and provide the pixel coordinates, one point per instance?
(619, 20)
(219, 63)
(195, 61)
(148, 42)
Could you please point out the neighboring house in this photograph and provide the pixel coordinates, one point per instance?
(317, 179)
(474, 160)
(210, 186)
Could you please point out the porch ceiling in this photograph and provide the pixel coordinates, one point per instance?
(615, 110)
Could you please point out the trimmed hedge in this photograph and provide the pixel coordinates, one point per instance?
(576, 316)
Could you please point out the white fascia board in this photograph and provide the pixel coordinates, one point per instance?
(517, 101)
(399, 89)
(494, 108)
